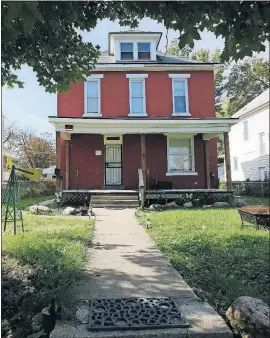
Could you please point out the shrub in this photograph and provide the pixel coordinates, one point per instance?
(34, 189)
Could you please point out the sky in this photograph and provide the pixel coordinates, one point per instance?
(30, 107)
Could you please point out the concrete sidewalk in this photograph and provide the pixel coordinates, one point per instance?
(124, 262)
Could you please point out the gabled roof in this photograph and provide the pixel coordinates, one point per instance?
(105, 58)
(259, 101)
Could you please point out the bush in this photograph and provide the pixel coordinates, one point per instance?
(250, 188)
(34, 189)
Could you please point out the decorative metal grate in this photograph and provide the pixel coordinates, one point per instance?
(134, 313)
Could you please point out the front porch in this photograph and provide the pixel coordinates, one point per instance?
(174, 156)
(207, 196)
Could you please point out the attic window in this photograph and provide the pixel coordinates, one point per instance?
(126, 49)
(143, 50)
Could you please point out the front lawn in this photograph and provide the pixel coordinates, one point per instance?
(216, 257)
(44, 262)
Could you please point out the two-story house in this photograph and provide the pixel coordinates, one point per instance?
(139, 109)
(250, 140)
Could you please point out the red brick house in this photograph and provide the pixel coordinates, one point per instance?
(140, 109)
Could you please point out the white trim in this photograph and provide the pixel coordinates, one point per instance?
(153, 67)
(186, 113)
(182, 173)
(136, 79)
(192, 155)
(93, 79)
(136, 76)
(94, 76)
(120, 141)
(188, 121)
(179, 76)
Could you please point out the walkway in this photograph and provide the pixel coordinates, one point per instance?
(124, 262)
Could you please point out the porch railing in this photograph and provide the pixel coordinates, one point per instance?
(141, 187)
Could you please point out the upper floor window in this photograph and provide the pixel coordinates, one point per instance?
(126, 50)
(262, 144)
(180, 155)
(137, 104)
(245, 124)
(92, 95)
(180, 94)
(143, 50)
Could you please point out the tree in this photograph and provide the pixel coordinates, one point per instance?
(35, 151)
(174, 49)
(10, 132)
(245, 81)
(46, 34)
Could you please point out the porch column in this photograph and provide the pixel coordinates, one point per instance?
(207, 166)
(67, 144)
(58, 158)
(227, 161)
(143, 158)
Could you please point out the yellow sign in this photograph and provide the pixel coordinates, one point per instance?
(9, 163)
(33, 174)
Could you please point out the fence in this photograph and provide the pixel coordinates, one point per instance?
(249, 188)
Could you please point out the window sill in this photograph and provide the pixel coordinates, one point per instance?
(137, 115)
(92, 115)
(181, 114)
(182, 173)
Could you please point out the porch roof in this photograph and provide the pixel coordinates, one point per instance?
(211, 127)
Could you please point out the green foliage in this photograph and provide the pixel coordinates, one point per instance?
(26, 202)
(55, 250)
(46, 35)
(219, 259)
(37, 189)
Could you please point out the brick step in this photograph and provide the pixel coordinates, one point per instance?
(123, 205)
(114, 198)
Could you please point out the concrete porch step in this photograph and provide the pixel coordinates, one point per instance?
(114, 197)
(122, 205)
(108, 201)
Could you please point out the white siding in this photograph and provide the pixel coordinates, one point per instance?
(248, 152)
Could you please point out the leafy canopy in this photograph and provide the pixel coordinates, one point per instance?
(45, 35)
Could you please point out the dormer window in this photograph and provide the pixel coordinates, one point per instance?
(143, 50)
(126, 49)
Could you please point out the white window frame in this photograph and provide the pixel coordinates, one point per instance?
(182, 172)
(134, 48)
(93, 78)
(245, 131)
(137, 51)
(259, 173)
(184, 78)
(262, 145)
(137, 78)
(235, 161)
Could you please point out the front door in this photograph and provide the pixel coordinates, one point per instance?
(113, 164)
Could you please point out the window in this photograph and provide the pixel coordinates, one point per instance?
(180, 94)
(126, 50)
(235, 163)
(143, 51)
(262, 144)
(137, 97)
(180, 155)
(92, 95)
(137, 104)
(261, 173)
(245, 123)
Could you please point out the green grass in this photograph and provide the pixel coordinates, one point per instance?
(27, 202)
(252, 200)
(55, 250)
(219, 259)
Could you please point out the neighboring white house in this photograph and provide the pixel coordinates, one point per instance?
(48, 173)
(249, 140)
